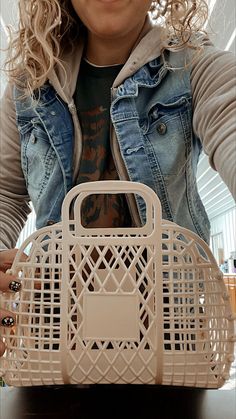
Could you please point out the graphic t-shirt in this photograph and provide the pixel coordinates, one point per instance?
(92, 98)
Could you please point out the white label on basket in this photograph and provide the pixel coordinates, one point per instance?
(111, 316)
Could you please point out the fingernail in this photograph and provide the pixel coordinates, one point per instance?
(8, 321)
(15, 286)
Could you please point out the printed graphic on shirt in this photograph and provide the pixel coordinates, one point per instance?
(97, 164)
(95, 158)
(92, 98)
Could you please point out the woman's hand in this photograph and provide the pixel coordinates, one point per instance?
(8, 283)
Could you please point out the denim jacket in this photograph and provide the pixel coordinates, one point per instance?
(152, 142)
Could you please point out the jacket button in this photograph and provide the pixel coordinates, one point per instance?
(161, 128)
(50, 222)
(33, 139)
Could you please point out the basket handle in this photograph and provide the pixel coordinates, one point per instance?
(81, 191)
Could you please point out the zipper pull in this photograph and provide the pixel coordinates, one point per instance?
(113, 93)
(72, 107)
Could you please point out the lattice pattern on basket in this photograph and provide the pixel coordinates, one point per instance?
(139, 305)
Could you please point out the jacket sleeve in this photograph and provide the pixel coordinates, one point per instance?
(14, 199)
(213, 81)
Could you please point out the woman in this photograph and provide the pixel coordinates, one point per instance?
(98, 91)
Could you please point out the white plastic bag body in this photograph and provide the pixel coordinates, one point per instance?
(128, 305)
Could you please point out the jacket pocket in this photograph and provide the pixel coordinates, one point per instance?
(37, 156)
(169, 134)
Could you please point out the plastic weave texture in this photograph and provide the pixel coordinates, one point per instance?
(141, 305)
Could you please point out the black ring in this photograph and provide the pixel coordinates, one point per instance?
(15, 286)
(8, 321)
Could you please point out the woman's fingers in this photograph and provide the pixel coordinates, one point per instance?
(2, 348)
(9, 283)
(7, 257)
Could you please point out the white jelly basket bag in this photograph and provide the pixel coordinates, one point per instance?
(117, 305)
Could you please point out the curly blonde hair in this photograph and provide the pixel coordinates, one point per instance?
(48, 27)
